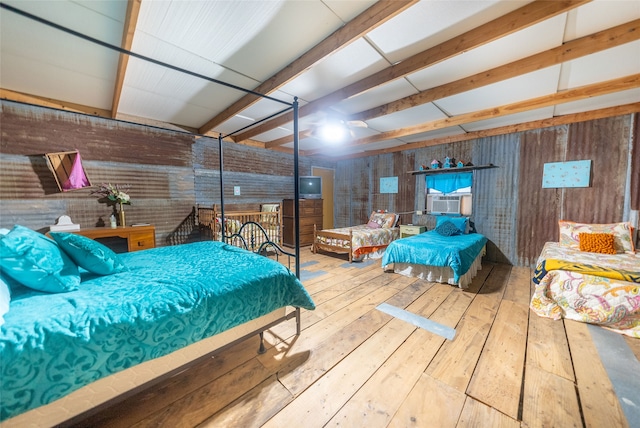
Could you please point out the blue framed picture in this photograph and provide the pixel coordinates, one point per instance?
(566, 174)
(388, 184)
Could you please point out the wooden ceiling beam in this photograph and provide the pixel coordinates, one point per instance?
(574, 49)
(130, 22)
(568, 51)
(524, 17)
(587, 91)
(503, 130)
(371, 18)
(20, 97)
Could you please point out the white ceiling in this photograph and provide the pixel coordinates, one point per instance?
(247, 42)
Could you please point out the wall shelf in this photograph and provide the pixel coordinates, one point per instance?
(456, 169)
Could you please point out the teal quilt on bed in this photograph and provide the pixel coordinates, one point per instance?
(170, 297)
(432, 249)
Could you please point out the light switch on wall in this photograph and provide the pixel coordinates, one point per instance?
(236, 190)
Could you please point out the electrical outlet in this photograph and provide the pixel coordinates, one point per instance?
(236, 190)
(419, 212)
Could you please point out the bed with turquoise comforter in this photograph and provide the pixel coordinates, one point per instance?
(461, 253)
(169, 297)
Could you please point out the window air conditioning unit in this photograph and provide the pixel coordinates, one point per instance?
(441, 204)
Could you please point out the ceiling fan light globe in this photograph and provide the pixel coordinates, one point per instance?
(334, 133)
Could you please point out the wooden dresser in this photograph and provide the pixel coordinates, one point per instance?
(310, 214)
(136, 237)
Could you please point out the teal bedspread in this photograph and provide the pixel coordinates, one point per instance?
(432, 249)
(52, 344)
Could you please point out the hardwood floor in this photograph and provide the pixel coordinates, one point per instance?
(356, 366)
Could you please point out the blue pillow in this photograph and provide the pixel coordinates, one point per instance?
(459, 222)
(447, 228)
(35, 261)
(5, 299)
(89, 254)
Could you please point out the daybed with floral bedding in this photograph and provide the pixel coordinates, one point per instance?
(591, 275)
(82, 326)
(362, 241)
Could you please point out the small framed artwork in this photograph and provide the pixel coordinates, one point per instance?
(68, 171)
(388, 184)
(566, 174)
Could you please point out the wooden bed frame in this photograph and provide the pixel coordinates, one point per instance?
(331, 236)
(332, 248)
(84, 402)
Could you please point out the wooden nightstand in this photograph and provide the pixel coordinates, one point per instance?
(136, 237)
(411, 229)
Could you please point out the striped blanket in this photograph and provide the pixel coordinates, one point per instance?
(553, 264)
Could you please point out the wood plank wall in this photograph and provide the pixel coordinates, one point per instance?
(510, 206)
(169, 172)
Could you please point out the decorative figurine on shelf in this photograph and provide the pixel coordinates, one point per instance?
(448, 162)
(435, 164)
(460, 164)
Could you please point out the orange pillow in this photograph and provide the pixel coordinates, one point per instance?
(597, 243)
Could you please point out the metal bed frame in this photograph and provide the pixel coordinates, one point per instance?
(272, 246)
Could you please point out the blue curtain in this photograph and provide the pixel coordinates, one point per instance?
(447, 183)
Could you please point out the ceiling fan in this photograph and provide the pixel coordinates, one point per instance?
(333, 127)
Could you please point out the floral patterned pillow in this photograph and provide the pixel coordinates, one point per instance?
(622, 232)
(385, 220)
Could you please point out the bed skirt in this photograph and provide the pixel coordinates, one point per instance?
(443, 274)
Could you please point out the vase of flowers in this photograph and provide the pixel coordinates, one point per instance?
(114, 194)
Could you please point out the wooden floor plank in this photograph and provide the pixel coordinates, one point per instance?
(547, 346)
(337, 313)
(318, 403)
(199, 405)
(497, 379)
(316, 359)
(167, 392)
(381, 396)
(456, 360)
(430, 403)
(549, 400)
(598, 401)
(518, 289)
(254, 408)
(476, 414)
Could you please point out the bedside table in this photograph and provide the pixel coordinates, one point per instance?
(411, 229)
(136, 237)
